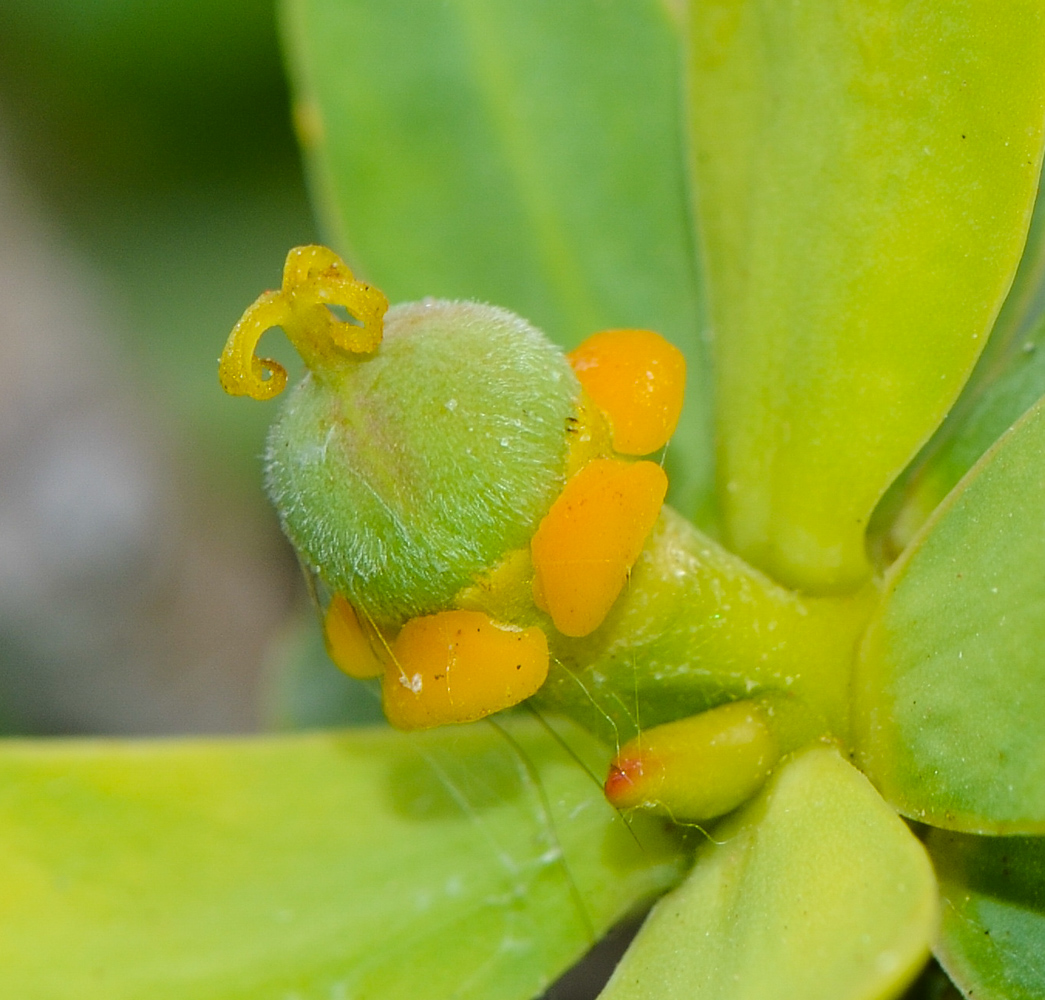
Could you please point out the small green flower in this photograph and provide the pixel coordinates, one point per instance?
(826, 208)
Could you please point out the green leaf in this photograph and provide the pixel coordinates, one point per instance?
(1007, 380)
(950, 685)
(526, 155)
(363, 864)
(1024, 305)
(1017, 383)
(815, 890)
(992, 935)
(866, 175)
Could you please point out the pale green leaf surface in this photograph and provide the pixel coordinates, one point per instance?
(1020, 316)
(530, 156)
(362, 864)
(1008, 378)
(992, 934)
(865, 177)
(1017, 384)
(815, 890)
(949, 694)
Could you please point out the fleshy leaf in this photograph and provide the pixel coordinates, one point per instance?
(528, 156)
(865, 181)
(363, 864)
(1007, 380)
(815, 890)
(950, 683)
(1024, 305)
(992, 934)
(1015, 385)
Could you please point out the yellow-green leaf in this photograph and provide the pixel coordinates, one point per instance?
(991, 408)
(1007, 380)
(363, 864)
(815, 890)
(865, 175)
(950, 685)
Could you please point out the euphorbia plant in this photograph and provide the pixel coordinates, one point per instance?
(862, 180)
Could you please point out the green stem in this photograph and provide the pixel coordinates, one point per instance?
(698, 627)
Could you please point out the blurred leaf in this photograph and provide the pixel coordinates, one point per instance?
(992, 938)
(129, 91)
(950, 685)
(526, 155)
(207, 251)
(159, 137)
(815, 890)
(849, 297)
(365, 864)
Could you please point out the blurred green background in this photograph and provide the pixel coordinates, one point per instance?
(150, 186)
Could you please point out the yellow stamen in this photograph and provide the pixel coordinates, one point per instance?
(638, 380)
(459, 666)
(588, 541)
(347, 643)
(314, 278)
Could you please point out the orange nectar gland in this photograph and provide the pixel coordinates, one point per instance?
(347, 643)
(314, 278)
(696, 768)
(459, 666)
(638, 380)
(588, 541)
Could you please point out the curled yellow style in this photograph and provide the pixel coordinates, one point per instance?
(314, 278)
